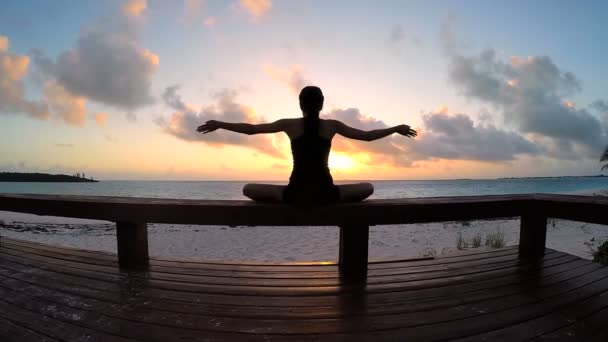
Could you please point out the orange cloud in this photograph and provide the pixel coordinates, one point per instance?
(255, 8)
(184, 121)
(134, 8)
(3, 43)
(68, 107)
(100, 119)
(14, 66)
(13, 69)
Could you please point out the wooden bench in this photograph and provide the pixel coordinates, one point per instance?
(132, 214)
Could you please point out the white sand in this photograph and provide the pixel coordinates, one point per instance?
(284, 244)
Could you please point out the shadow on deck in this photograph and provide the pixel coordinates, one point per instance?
(54, 293)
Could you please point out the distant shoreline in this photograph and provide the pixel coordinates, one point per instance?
(43, 177)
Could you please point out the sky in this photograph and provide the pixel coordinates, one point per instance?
(115, 89)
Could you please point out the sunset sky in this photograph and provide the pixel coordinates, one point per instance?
(116, 89)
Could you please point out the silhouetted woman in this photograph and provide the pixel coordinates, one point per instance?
(310, 181)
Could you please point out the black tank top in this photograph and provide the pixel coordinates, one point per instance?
(310, 181)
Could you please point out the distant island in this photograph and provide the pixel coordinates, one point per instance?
(538, 177)
(44, 177)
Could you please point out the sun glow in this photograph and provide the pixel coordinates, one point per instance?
(340, 162)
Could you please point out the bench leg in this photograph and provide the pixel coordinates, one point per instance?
(132, 239)
(532, 235)
(353, 252)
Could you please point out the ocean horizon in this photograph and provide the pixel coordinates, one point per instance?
(229, 189)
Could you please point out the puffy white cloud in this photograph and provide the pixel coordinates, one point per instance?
(13, 69)
(108, 67)
(185, 119)
(255, 8)
(107, 64)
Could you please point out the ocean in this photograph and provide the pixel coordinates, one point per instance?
(286, 244)
(383, 189)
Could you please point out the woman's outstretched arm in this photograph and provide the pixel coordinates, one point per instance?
(244, 128)
(354, 133)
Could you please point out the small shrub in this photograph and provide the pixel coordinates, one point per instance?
(495, 240)
(601, 253)
(460, 242)
(477, 240)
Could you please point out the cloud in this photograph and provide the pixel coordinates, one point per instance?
(184, 121)
(600, 106)
(109, 68)
(443, 136)
(255, 8)
(100, 118)
(456, 136)
(71, 109)
(531, 94)
(292, 76)
(106, 64)
(3, 43)
(13, 69)
(449, 39)
(134, 8)
(390, 150)
(65, 145)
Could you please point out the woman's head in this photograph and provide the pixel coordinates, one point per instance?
(311, 100)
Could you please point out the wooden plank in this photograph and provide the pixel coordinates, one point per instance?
(353, 253)
(11, 332)
(590, 209)
(372, 212)
(132, 241)
(46, 325)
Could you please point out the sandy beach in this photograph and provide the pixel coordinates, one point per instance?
(287, 244)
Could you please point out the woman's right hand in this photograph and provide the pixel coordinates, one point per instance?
(209, 126)
(406, 131)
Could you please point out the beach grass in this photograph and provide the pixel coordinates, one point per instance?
(495, 239)
(600, 255)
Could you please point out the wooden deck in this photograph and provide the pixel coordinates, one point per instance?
(49, 293)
